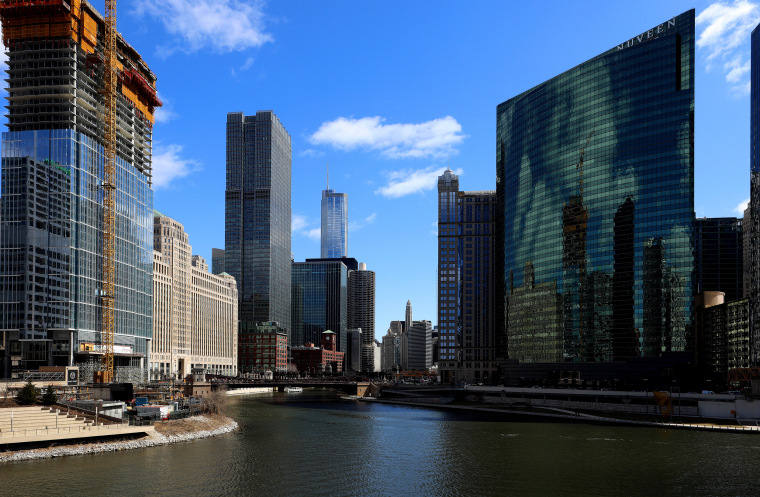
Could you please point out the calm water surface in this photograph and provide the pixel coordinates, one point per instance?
(315, 444)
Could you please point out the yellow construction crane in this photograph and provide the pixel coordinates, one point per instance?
(109, 193)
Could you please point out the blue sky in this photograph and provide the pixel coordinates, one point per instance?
(386, 92)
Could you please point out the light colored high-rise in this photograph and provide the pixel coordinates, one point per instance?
(194, 312)
(334, 224)
(361, 311)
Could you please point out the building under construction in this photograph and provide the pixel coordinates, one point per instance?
(53, 189)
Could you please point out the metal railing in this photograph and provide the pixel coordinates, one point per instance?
(29, 432)
(50, 430)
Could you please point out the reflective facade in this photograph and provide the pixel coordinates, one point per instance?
(320, 302)
(754, 203)
(719, 256)
(50, 250)
(334, 224)
(257, 217)
(52, 196)
(595, 189)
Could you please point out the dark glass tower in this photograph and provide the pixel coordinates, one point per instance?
(754, 204)
(595, 191)
(258, 216)
(320, 301)
(719, 256)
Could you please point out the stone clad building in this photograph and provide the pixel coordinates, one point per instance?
(195, 312)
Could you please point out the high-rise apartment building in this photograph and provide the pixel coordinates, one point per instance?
(719, 256)
(754, 202)
(52, 200)
(258, 217)
(195, 313)
(361, 312)
(466, 338)
(595, 190)
(334, 230)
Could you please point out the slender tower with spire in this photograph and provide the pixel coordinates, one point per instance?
(408, 320)
(334, 222)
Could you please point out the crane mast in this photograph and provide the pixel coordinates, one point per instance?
(109, 193)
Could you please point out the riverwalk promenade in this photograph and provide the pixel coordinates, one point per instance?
(563, 415)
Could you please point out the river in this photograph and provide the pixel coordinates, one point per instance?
(315, 444)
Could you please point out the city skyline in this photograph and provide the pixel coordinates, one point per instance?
(388, 128)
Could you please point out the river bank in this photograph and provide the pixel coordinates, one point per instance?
(572, 416)
(167, 432)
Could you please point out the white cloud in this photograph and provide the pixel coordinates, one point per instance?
(165, 113)
(310, 152)
(299, 225)
(3, 55)
(246, 65)
(169, 166)
(429, 139)
(298, 222)
(221, 25)
(357, 225)
(739, 209)
(725, 39)
(408, 181)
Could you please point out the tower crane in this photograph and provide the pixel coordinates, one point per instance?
(110, 80)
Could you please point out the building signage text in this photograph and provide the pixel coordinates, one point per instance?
(652, 33)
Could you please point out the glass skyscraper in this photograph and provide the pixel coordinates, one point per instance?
(257, 226)
(52, 195)
(320, 301)
(595, 189)
(754, 203)
(334, 224)
(719, 256)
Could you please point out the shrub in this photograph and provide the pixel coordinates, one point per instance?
(49, 397)
(28, 394)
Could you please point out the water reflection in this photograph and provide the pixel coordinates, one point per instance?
(314, 444)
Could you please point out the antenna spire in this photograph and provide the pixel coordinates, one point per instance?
(328, 175)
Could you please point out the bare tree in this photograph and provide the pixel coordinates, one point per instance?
(215, 401)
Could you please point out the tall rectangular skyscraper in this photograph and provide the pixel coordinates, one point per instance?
(466, 338)
(754, 203)
(595, 190)
(258, 217)
(334, 224)
(52, 194)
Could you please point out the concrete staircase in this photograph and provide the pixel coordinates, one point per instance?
(35, 419)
